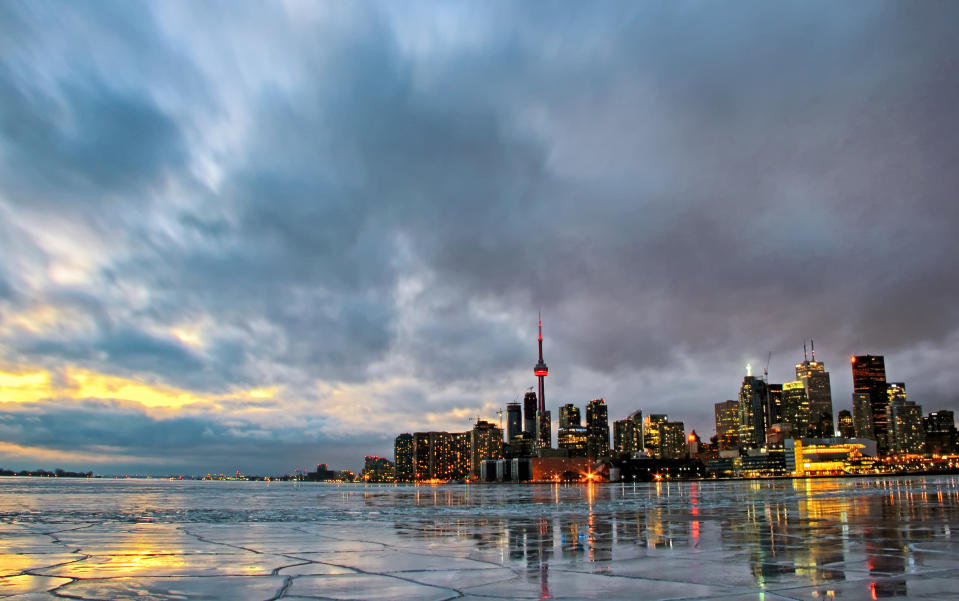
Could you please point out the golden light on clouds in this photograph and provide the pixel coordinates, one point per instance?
(76, 383)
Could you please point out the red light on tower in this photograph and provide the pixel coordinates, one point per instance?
(852, 359)
(540, 370)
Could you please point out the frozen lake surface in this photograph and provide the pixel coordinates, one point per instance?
(738, 540)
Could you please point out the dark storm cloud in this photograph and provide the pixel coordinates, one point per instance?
(680, 187)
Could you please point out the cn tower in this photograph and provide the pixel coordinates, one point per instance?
(540, 370)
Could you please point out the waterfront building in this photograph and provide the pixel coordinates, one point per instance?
(795, 409)
(862, 415)
(522, 445)
(460, 457)
(530, 406)
(627, 437)
(904, 418)
(597, 429)
(774, 403)
(673, 440)
(378, 469)
(752, 411)
(441, 455)
(869, 377)
(652, 435)
(403, 456)
(829, 456)
(727, 424)
(514, 420)
(573, 439)
(422, 456)
(815, 380)
(485, 442)
(846, 425)
(569, 416)
(941, 434)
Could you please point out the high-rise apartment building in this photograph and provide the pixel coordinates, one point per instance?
(442, 455)
(544, 439)
(906, 432)
(652, 433)
(378, 469)
(627, 437)
(869, 377)
(673, 444)
(727, 424)
(514, 420)
(422, 456)
(597, 429)
(486, 442)
(815, 380)
(403, 457)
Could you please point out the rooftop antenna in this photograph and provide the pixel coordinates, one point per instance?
(813, 345)
(804, 357)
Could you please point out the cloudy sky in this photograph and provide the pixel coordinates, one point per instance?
(261, 236)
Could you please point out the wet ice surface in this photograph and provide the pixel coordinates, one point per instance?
(162, 540)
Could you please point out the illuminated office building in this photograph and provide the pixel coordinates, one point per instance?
(403, 457)
(573, 439)
(597, 429)
(544, 439)
(377, 469)
(869, 377)
(795, 409)
(727, 424)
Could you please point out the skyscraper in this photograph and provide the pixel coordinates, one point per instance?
(544, 438)
(514, 420)
(673, 444)
(597, 429)
(627, 437)
(652, 433)
(403, 457)
(753, 420)
(941, 434)
(530, 405)
(571, 435)
(815, 380)
(862, 415)
(906, 432)
(727, 424)
(485, 442)
(869, 377)
(795, 409)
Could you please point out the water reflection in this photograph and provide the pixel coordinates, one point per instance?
(826, 535)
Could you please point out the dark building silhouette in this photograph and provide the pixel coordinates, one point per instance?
(403, 457)
(514, 420)
(846, 425)
(529, 413)
(869, 377)
(597, 429)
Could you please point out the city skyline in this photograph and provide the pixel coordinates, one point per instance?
(218, 257)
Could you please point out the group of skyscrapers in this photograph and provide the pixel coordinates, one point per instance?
(764, 414)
